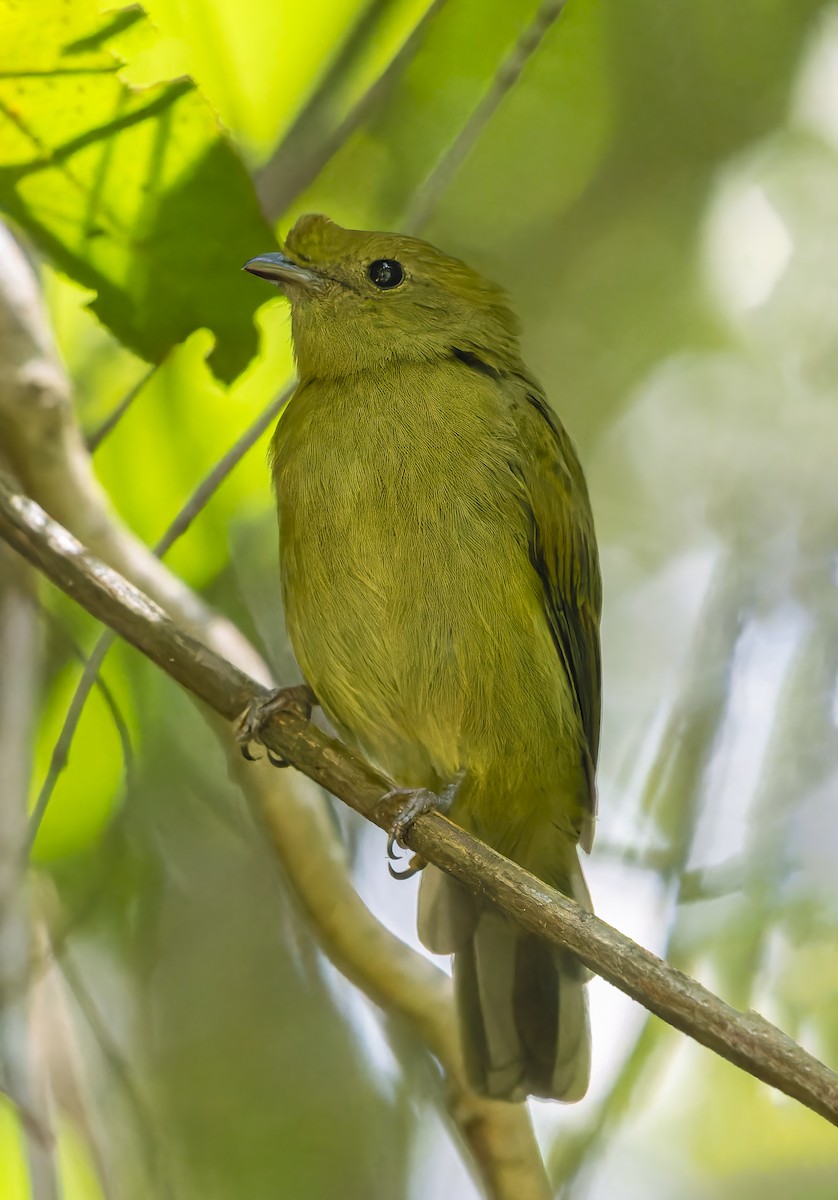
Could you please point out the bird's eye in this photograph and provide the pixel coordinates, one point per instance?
(386, 273)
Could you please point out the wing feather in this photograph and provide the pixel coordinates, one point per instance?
(563, 552)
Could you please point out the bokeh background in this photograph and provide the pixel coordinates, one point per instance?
(656, 185)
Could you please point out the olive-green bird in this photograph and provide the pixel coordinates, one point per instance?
(442, 595)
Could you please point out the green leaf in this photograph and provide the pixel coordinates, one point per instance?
(131, 188)
(257, 61)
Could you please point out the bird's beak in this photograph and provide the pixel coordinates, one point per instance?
(282, 271)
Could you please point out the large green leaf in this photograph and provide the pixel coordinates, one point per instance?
(122, 176)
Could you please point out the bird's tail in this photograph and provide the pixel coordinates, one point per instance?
(522, 1002)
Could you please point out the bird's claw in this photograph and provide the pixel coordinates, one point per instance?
(298, 700)
(415, 802)
(415, 865)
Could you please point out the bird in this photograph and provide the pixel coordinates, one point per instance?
(442, 596)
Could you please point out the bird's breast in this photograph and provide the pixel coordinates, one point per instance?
(406, 578)
(396, 470)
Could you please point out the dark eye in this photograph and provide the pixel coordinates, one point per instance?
(386, 273)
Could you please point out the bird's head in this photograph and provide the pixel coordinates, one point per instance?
(360, 300)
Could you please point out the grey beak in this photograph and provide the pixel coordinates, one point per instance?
(281, 270)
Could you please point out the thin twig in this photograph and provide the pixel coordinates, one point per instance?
(210, 484)
(61, 750)
(429, 194)
(745, 1039)
(98, 435)
(296, 163)
(299, 157)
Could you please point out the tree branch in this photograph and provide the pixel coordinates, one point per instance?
(745, 1039)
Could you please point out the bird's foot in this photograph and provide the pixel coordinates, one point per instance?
(299, 700)
(413, 802)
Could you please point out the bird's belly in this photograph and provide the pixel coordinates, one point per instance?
(428, 645)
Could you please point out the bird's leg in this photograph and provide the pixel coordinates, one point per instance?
(414, 802)
(299, 699)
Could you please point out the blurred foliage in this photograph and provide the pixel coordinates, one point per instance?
(108, 157)
(657, 192)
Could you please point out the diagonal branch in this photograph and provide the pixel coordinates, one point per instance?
(315, 137)
(430, 193)
(745, 1039)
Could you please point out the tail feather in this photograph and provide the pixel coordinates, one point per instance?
(521, 1002)
(447, 912)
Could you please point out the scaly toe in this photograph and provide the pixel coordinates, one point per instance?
(415, 802)
(299, 700)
